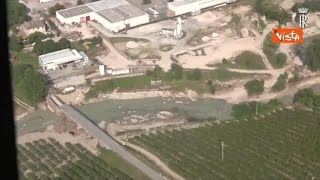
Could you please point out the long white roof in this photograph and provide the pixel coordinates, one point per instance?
(58, 56)
(111, 10)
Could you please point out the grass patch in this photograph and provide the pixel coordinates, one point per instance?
(223, 74)
(123, 84)
(277, 60)
(126, 39)
(27, 58)
(246, 60)
(117, 162)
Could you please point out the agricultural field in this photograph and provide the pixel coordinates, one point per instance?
(48, 159)
(284, 144)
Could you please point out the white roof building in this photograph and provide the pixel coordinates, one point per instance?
(53, 60)
(114, 15)
(188, 6)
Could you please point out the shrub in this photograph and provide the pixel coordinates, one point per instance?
(281, 83)
(254, 87)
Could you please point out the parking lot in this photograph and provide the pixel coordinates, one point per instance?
(72, 69)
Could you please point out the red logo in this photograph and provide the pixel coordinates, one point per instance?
(287, 35)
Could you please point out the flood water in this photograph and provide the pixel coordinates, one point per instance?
(117, 110)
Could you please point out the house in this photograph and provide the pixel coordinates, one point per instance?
(33, 26)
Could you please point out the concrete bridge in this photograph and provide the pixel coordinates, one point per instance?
(56, 105)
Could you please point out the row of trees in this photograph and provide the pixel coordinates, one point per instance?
(28, 84)
(17, 13)
(43, 47)
(271, 11)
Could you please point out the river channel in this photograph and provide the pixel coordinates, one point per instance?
(117, 110)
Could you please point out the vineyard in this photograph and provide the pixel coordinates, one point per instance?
(48, 159)
(281, 145)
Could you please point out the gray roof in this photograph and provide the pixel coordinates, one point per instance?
(182, 2)
(121, 13)
(111, 10)
(106, 4)
(75, 11)
(33, 24)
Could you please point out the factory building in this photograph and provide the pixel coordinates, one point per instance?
(114, 15)
(54, 60)
(180, 7)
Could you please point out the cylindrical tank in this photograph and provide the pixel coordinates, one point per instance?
(102, 70)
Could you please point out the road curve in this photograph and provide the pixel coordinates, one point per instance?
(108, 141)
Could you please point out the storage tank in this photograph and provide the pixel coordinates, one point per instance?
(102, 70)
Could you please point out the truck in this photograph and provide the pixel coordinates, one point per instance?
(153, 12)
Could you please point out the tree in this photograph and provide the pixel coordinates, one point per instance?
(194, 75)
(271, 11)
(281, 59)
(15, 44)
(35, 37)
(17, 12)
(312, 55)
(304, 97)
(176, 71)
(254, 87)
(29, 85)
(80, 2)
(281, 83)
(34, 86)
(43, 47)
(63, 43)
(55, 8)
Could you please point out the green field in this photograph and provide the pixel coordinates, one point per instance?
(50, 160)
(246, 60)
(281, 145)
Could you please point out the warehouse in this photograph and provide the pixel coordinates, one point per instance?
(114, 15)
(52, 61)
(194, 6)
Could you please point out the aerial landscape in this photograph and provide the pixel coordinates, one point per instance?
(166, 89)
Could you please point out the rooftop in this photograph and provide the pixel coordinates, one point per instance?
(33, 24)
(120, 13)
(182, 2)
(106, 4)
(111, 10)
(75, 11)
(65, 53)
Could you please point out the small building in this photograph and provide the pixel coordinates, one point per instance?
(34, 26)
(114, 15)
(180, 7)
(54, 60)
(119, 71)
(44, 1)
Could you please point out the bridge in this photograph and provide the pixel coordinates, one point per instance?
(56, 105)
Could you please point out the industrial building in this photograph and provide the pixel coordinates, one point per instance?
(54, 60)
(180, 7)
(114, 15)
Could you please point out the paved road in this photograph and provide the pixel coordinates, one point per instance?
(108, 141)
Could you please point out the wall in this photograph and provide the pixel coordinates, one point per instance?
(30, 31)
(185, 8)
(75, 19)
(139, 20)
